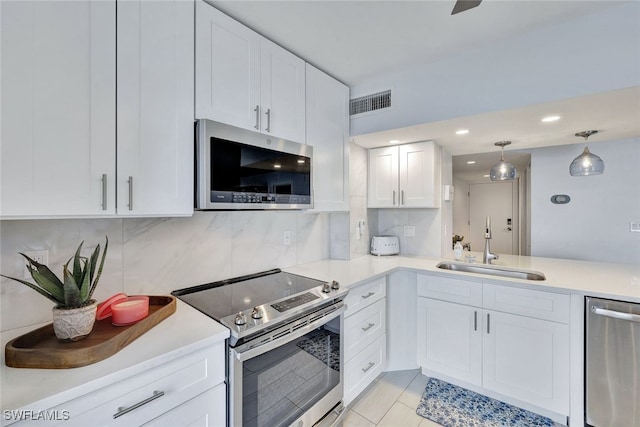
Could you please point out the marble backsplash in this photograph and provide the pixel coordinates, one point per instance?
(158, 255)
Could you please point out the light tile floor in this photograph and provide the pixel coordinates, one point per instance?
(390, 401)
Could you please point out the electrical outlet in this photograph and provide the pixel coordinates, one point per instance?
(39, 256)
(286, 238)
(409, 231)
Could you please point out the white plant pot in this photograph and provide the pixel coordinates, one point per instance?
(74, 324)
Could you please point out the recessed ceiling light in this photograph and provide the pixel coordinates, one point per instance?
(277, 166)
(549, 119)
(394, 141)
(471, 162)
(462, 132)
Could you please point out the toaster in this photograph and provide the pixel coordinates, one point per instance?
(385, 245)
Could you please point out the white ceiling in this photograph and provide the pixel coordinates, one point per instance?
(357, 40)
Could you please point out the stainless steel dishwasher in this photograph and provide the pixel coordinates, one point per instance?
(612, 363)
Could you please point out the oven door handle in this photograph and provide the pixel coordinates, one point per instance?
(257, 351)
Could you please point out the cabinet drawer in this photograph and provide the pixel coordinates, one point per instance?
(364, 368)
(206, 410)
(527, 302)
(453, 290)
(365, 294)
(180, 380)
(363, 328)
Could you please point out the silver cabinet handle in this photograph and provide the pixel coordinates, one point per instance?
(394, 197)
(369, 366)
(475, 320)
(402, 197)
(122, 410)
(488, 323)
(257, 110)
(268, 113)
(370, 294)
(615, 314)
(130, 181)
(104, 191)
(369, 326)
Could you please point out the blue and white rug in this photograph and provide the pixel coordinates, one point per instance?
(453, 406)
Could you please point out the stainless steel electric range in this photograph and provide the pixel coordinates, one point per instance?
(285, 354)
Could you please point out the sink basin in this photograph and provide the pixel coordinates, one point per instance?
(492, 270)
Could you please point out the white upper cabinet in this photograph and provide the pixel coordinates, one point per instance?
(405, 176)
(60, 137)
(155, 107)
(328, 133)
(58, 108)
(244, 80)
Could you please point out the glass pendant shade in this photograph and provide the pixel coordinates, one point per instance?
(502, 171)
(586, 164)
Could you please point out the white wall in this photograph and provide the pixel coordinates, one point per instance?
(595, 224)
(157, 255)
(590, 54)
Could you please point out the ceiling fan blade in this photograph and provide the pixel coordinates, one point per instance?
(462, 5)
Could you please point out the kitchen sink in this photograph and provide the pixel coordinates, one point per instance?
(492, 270)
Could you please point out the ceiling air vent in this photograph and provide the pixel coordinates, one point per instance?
(368, 103)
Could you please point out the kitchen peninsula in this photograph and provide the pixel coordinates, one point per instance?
(189, 331)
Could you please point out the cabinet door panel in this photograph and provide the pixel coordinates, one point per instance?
(227, 69)
(58, 108)
(450, 339)
(418, 175)
(282, 93)
(155, 108)
(527, 359)
(383, 177)
(327, 131)
(205, 410)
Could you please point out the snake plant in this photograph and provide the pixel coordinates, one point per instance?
(78, 284)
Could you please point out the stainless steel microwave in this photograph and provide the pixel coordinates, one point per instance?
(241, 169)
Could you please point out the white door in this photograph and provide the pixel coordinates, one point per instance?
(493, 199)
(327, 131)
(450, 339)
(155, 108)
(383, 177)
(527, 359)
(58, 108)
(282, 93)
(227, 69)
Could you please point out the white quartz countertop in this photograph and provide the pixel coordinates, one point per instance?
(187, 329)
(604, 280)
(184, 331)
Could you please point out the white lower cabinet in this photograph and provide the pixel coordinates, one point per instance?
(523, 357)
(364, 337)
(157, 395)
(205, 410)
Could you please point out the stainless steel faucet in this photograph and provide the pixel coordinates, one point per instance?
(487, 256)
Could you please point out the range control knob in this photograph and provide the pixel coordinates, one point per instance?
(335, 285)
(326, 288)
(256, 313)
(241, 319)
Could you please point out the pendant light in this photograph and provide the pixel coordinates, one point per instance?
(586, 163)
(502, 171)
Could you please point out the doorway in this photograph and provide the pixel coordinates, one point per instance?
(497, 200)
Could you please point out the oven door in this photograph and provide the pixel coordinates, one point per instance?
(292, 376)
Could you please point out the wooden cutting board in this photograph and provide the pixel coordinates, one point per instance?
(41, 349)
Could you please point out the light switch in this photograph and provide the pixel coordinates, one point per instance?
(635, 226)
